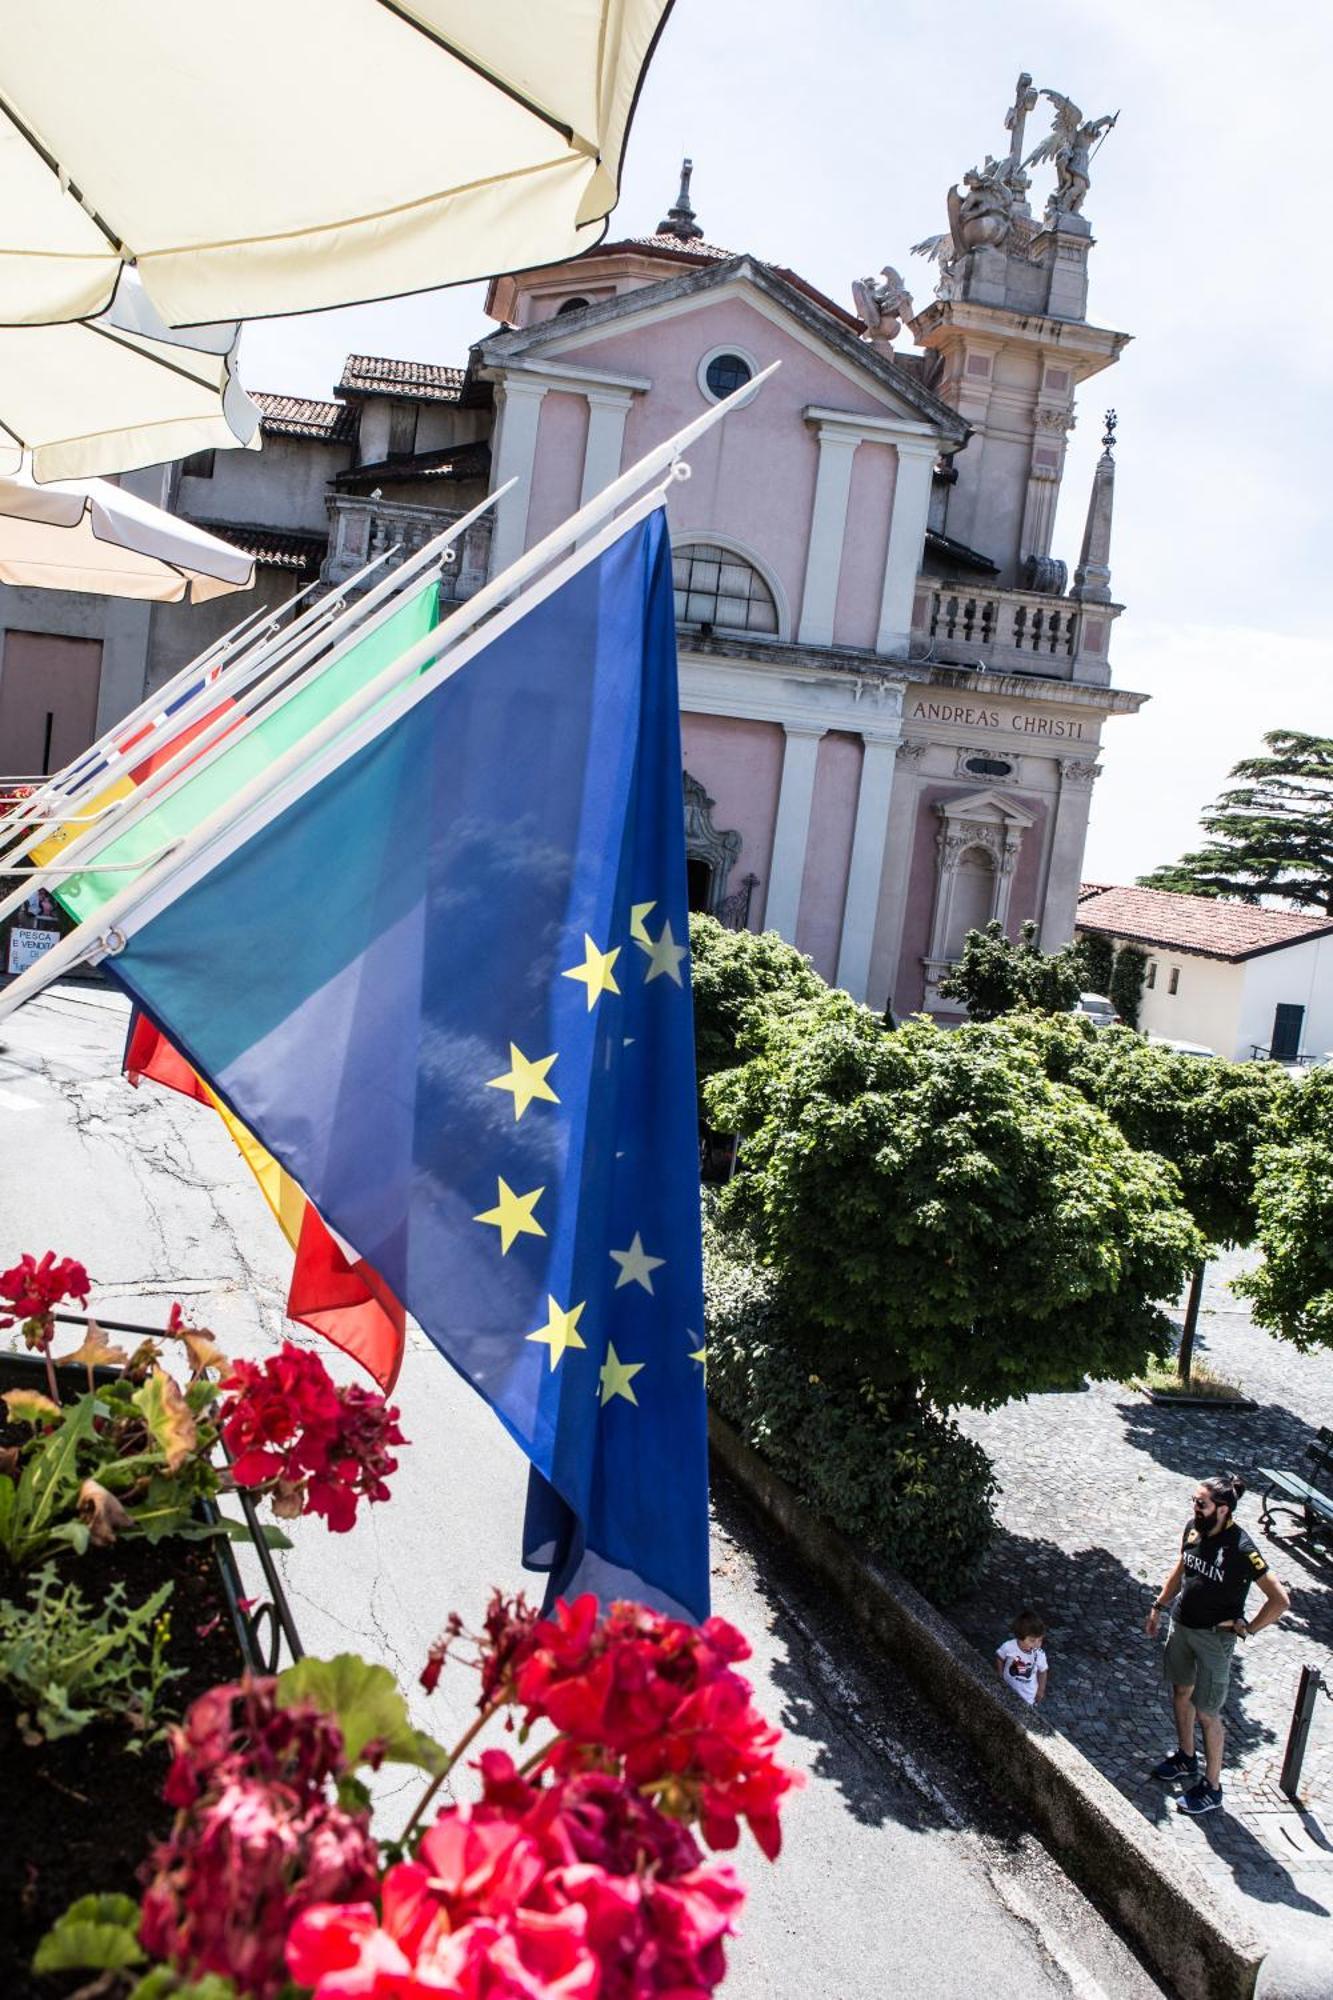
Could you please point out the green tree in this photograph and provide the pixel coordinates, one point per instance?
(1292, 1290)
(995, 975)
(1127, 976)
(1097, 962)
(1210, 1120)
(738, 976)
(939, 1212)
(1271, 835)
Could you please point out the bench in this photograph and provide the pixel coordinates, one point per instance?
(1309, 1502)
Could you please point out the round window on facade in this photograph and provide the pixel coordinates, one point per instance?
(989, 767)
(725, 374)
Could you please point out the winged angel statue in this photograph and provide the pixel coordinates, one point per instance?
(1069, 145)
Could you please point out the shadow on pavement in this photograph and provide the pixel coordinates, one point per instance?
(876, 1740)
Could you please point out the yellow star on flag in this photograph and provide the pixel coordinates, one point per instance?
(700, 1354)
(665, 956)
(617, 1375)
(512, 1215)
(526, 1079)
(595, 972)
(636, 1266)
(638, 929)
(560, 1331)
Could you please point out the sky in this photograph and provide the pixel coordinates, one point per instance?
(826, 137)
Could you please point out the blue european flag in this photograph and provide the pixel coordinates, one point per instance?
(448, 988)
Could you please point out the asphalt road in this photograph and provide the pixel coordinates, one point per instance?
(901, 1870)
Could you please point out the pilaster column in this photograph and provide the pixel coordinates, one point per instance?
(607, 411)
(907, 540)
(1064, 867)
(791, 832)
(866, 869)
(828, 525)
(515, 451)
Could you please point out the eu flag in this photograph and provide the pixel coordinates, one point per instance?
(448, 989)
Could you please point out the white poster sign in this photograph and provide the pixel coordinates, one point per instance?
(26, 947)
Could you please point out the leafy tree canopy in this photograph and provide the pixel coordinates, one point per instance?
(938, 1211)
(737, 975)
(1269, 836)
(1292, 1290)
(1209, 1119)
(995, 975)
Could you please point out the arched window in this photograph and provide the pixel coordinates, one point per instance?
(973, 898)
(570, 306)
(718, 589)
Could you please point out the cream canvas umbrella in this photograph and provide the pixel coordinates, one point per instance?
(118, 391)
(255, 158)
(90, 535)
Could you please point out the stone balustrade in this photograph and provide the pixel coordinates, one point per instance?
(361, 528)
(1011, 631)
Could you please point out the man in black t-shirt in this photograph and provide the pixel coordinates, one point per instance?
(1206, 1592)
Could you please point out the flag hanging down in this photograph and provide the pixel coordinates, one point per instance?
(335, 1295)
(447, 988)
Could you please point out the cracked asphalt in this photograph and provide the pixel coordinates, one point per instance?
(901, 1869)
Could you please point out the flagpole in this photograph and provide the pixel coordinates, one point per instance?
(260, 651)
(52, 782)
(372, 711)
(278, 686)
(56, 804)
(372, 707)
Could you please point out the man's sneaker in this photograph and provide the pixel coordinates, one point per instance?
(1200, 1798)
(1176, 1768)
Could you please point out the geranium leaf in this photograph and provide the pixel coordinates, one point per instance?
(96, 1934)
(169, 1418)
(25, 1406)
(203, 1350)
(101, 1513)
(368, 1707)
(95, 1351)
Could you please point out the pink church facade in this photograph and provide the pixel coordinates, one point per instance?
(893, 697)
(890, 733)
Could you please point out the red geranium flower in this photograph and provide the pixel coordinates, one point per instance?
(289, 1426)
(34, 1289)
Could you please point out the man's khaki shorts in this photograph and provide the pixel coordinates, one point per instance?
(1201, 1660)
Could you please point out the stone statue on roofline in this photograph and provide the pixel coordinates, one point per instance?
(1069, 144)
(883, 303)
(996, 196)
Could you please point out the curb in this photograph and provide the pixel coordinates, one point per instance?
(1205, 1950)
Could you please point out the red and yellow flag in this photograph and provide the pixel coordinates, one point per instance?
(341, 1297)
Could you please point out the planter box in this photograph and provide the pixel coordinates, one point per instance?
(84, 1811)
(1168, 1399)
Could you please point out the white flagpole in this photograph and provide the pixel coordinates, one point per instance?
(339, 736)
(56, 783)
(259, 652)
(262, 701)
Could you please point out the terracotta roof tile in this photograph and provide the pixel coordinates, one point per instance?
(1203, 925)
(302, 416)
(381, 375)
(272, 548)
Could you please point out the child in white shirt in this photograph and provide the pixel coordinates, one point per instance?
(1020, 1661)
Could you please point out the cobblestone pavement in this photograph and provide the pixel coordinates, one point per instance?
(1096, 1489)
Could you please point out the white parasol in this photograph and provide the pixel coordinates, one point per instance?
(255, 158)
(87, 534)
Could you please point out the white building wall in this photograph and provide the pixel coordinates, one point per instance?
(1301, 976)
(1205, 1006)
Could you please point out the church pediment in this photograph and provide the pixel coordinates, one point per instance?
(988, 807)
(569, 335)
